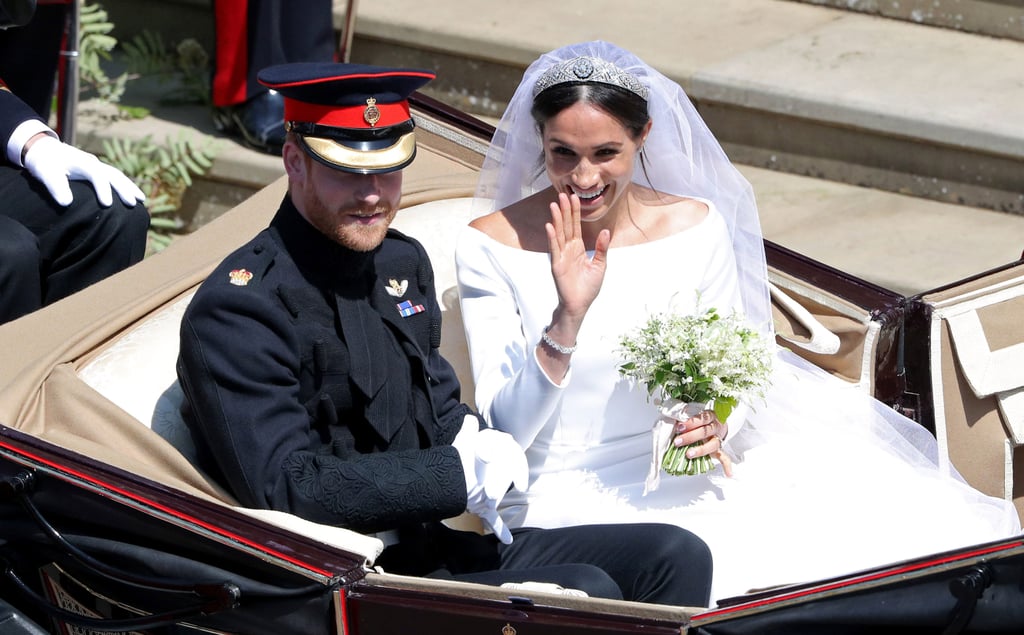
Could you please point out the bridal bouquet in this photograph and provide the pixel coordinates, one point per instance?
(706, 359)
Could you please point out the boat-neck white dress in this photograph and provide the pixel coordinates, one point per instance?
(825, 482)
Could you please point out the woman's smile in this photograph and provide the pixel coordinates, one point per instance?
(590, 154)
(587, 196)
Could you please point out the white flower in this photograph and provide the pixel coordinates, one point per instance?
(705, 358)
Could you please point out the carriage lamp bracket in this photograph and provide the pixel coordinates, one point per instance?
(967, 589)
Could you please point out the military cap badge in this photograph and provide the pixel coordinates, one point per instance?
(372, 114)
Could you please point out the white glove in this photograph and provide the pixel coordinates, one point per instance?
(493, 462)
(54, 163)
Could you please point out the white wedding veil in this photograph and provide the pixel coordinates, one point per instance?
(680, 157)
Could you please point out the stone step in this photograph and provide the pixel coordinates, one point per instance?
(786, 85)
(995, 18)
(921, 114)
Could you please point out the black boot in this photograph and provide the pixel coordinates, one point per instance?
(259, 122)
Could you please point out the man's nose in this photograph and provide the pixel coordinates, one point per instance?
(369, 188)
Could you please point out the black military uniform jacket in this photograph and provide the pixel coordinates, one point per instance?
(13, 112)
(314, 383)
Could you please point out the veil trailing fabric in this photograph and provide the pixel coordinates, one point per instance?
(680, 157)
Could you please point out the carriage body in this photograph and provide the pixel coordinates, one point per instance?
(104, 516)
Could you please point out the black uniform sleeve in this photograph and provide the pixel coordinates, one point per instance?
(13, 112)
(239, 368)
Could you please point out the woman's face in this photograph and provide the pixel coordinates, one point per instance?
(587, 152)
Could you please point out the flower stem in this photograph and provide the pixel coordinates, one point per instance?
(674, 461)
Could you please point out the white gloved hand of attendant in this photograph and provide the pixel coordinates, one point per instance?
(493, 462)
(56, 163)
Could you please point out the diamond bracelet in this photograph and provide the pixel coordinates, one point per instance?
(564, 350)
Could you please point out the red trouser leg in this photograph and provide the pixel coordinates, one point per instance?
(232, 52)
(254, 34)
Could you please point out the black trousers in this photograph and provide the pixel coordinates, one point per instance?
(48, 252)
(254, 34)
(641, 562)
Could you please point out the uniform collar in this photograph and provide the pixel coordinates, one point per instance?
(313, 252)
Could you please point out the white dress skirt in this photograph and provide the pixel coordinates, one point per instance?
(827, 481)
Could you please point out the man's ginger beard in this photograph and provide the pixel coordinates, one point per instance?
(338, 222)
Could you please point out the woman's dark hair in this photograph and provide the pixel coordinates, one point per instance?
(628, 108)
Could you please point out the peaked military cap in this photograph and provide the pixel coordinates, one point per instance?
(351, 117)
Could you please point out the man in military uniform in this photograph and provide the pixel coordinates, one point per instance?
(309, 360)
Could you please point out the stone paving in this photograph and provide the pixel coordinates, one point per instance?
(928, 87)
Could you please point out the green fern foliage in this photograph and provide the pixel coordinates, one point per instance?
(146, 54)
(164, 172)
(187, 64)
(94, 47)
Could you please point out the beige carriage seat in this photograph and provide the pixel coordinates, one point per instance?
(832, 333)
(976, 358)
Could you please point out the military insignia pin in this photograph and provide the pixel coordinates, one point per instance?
(397, 289)
(240, 277)
(407, 308)
(372, 114)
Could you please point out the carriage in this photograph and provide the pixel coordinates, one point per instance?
(109, 527)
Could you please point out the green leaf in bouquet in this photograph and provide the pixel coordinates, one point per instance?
(724, 406)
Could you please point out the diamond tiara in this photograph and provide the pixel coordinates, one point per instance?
(589, 69)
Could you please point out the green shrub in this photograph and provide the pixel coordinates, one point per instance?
(163, 171)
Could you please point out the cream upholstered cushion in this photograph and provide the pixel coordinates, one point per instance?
(138, 374)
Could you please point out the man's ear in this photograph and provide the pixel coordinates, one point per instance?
(295, 163)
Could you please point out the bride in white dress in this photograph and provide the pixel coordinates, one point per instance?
(611, 212)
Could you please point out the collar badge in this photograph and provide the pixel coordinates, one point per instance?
(240, 277)
(397, 289)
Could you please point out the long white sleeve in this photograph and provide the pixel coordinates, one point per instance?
(513, 393)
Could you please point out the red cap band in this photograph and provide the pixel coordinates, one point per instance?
(347, 116)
